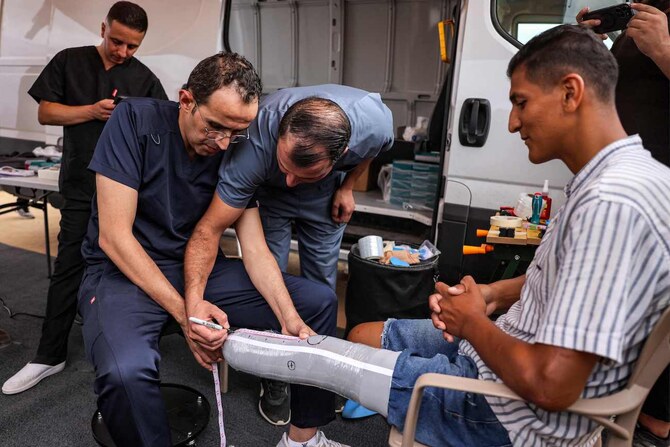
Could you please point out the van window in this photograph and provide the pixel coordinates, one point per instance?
(518, 21)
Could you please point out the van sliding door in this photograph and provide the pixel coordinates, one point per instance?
(486, 166)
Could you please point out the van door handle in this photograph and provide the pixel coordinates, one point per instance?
(475, 122)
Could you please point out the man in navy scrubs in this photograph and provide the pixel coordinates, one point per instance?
(306, 149)
(156, 167)
(74, 91)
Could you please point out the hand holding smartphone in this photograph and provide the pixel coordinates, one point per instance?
(612, 18)
(118, 99)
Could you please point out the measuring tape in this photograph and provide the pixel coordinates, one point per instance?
(265, 334)
(219, 407)
(217, 384)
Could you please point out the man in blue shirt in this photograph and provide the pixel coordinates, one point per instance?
(307, 147)
(156, 167)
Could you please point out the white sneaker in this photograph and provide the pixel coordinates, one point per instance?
(25, 213)
(320, 441)
(29, 376)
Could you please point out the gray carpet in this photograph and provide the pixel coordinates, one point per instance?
(58, 411)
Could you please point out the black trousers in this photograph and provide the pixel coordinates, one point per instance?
(657, 404)
(64, 285)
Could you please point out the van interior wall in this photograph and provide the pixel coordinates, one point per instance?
(369, 44)
(33, 31)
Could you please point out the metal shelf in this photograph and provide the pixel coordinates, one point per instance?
(371, 202)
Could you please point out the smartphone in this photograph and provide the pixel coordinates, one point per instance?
(118, 99)
(612, 18)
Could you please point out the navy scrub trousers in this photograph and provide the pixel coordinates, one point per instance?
(122, 327)
(308, 206)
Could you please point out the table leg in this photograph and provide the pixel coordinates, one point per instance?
(36, 199)
(512, 265)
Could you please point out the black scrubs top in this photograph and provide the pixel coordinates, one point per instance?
(643, 98)
(76, 77)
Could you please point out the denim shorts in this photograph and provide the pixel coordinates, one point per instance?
(447, 417)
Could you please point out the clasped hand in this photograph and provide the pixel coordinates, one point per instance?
(453, 307)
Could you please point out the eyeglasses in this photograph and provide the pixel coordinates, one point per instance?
(234, 136)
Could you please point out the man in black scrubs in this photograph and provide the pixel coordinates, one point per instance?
(75, 90)
(643, 90)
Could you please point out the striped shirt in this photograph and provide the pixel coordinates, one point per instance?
(598, 283)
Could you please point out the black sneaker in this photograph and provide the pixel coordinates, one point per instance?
(644, 438)
(275, 403)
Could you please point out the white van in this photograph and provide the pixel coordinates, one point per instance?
(386, 46)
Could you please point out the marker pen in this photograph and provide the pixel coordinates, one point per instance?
(205, 323)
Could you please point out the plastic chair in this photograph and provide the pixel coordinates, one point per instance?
(625, 405)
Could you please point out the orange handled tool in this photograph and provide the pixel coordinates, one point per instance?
(474, 250)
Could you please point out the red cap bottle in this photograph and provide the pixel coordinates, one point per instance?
(546, 210)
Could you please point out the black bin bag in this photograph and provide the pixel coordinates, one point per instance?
(376, 292)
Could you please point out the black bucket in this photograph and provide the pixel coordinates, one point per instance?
(376, 292)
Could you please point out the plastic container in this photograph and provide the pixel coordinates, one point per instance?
(524, 206)
(537, 208)
(546, 210)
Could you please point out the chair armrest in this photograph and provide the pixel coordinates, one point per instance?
(620, 402)
(598, 409)
(450, 382)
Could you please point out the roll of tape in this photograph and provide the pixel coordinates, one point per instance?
(371, 247)
(506, 221)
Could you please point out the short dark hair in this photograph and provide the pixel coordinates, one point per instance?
(316, 122)
(129, 14)
(223, 70)
(565, 49)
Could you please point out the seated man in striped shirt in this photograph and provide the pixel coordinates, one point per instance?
(577, 320)
(599, 281)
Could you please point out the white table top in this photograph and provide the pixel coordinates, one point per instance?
(33, 182)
